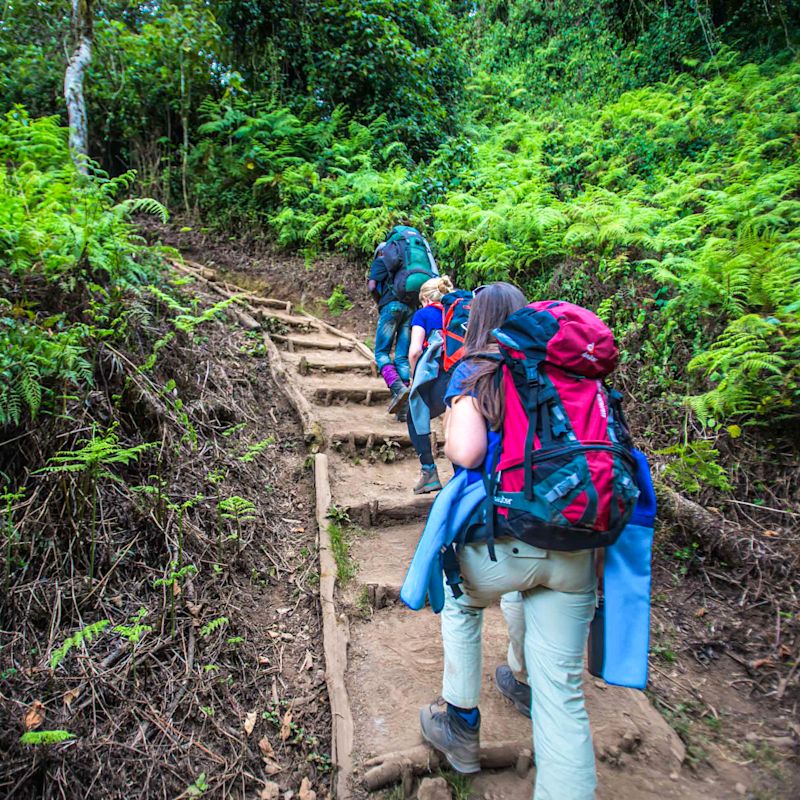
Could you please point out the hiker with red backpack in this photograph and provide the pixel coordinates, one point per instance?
(429, 319)
(539, 438)
(437, 344)
(400, 266)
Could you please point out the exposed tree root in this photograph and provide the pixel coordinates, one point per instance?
(390, 768)
(772, 556)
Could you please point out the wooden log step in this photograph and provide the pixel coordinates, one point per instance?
(371, 440)
(270, 302)
(211, 276)
(287, 319)
(371, 513)
(326, 397)
(423, 759)
(294, 342)
(305, 366)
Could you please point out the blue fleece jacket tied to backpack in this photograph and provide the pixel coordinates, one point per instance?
(448, 515)
(620, 635)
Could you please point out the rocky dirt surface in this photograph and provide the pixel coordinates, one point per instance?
(646, 748)
(720, 662)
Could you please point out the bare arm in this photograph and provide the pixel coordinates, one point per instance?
(465, 433)
(415, 348)
(372, 286)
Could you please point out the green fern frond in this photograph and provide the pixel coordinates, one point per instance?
(80, 637)
(143, 205)
(213, 625)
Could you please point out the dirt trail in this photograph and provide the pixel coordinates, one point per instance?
(385, 661)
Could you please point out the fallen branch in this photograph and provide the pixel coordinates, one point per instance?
(423, 760)
(727, 540)
(335, 638)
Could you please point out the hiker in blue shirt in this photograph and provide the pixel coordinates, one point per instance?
(394, 329)
(557, 594)
(426, 320)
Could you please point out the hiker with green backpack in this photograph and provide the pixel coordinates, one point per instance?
(399, 268)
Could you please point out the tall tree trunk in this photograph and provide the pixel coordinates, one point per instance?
(73, 81)
(185, 147)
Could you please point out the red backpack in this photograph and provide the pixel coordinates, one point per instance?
(563, 477)
(456, 306)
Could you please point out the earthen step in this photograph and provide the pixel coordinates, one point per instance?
(299, 343)
(317, 384)
(375, 493)
(327, 396)
(383, 555)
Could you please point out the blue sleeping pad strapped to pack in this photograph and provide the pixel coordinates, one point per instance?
(619, 639)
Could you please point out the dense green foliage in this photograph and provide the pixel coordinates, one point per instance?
(554, 53)
(681, 199)
(62, 235)
(620, 155)
(399, 58)
(675, 208)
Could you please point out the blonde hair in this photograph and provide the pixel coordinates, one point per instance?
(435, 289)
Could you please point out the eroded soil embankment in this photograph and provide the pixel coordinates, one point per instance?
(236, 697)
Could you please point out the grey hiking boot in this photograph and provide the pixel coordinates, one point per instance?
(428, 481)
(402, 415)
(518, 693)
(399, 399)
(452, 736)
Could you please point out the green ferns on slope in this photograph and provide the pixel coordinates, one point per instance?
(330, 183)
(61, 234)
(692, 184)
(673, 210)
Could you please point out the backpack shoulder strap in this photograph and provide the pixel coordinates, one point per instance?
(527, 379)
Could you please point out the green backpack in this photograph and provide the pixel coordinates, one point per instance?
(409, 261)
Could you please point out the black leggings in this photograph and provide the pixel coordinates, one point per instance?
(421, 442)
(433, 394)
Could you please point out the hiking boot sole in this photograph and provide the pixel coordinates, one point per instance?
(459, 766)
(399, 403)
(428, 488)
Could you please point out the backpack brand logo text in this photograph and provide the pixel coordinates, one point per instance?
(588, 354)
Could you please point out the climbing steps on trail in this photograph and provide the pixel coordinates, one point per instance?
(384, 661)
(381, 492)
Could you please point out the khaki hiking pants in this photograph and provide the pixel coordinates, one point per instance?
(558, 592)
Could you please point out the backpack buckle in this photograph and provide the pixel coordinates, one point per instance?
(532, 373)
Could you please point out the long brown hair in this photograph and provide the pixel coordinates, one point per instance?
(491, 307)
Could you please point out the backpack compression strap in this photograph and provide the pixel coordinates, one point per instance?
(490, 479)
(525, 374)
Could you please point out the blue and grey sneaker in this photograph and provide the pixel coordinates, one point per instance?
(518, 693)
(452, 736)
(428, 481)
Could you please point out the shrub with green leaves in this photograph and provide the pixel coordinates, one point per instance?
(674, 211)
(61, 233)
